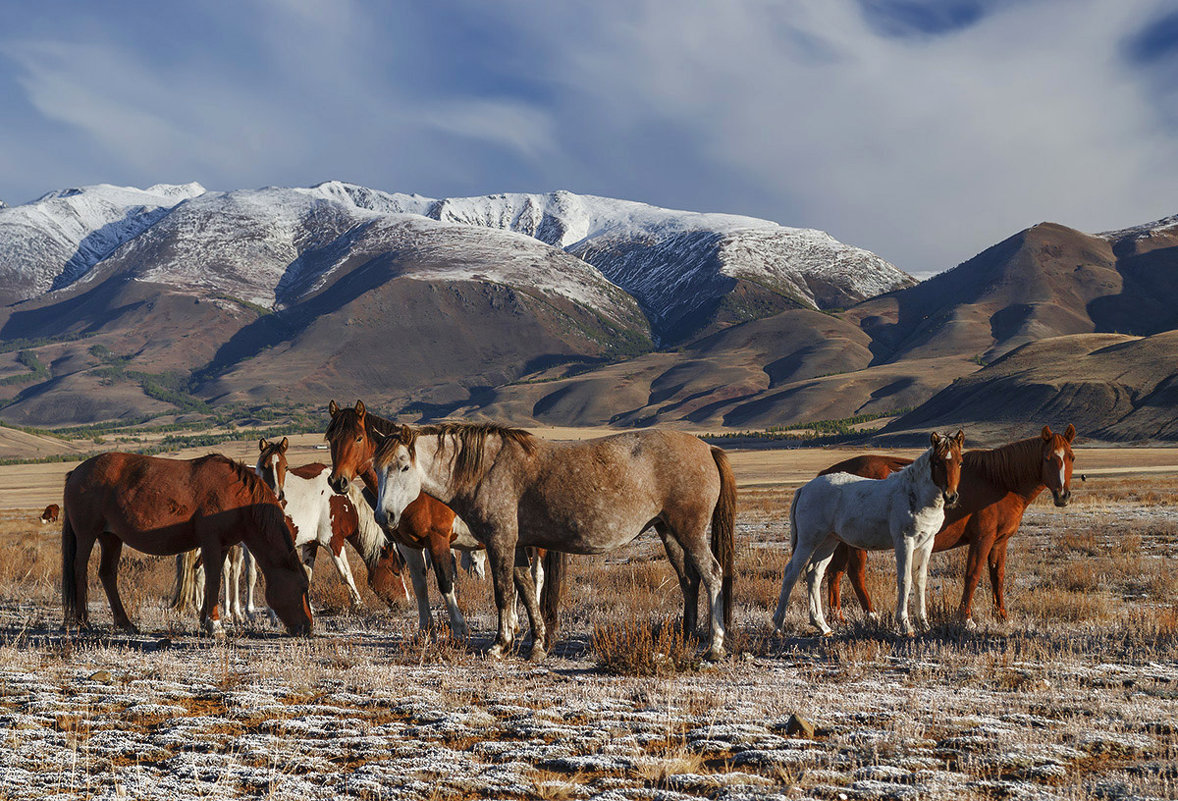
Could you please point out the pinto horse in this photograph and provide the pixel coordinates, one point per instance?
(322, 518)
(902, 512)
(997, 486)
(587, 497)
(426, 524)
(167, 506)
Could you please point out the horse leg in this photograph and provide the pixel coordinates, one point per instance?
(692, 537)
(998, 577)
(804, 546)
(979, 550)
(210, 613)
(904, 560)
(108, 571)
(439, 549)
(920, 558)
(415, 564)
(231, 579)
(536, 556)
(857, 567)
(834, 578)
(814, 570)
(525, 585)
(251, 580)
(688, 579)
(81, 612)
(345, 572)
(501, 557)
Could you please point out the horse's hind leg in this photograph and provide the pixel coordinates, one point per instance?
(692, 538)
(81, 612)
(815, 568)
(210, 613)
(108, 571)
(998, 577)
(688, 579)
(526, 586)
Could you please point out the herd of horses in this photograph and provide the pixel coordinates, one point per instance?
(428, 492)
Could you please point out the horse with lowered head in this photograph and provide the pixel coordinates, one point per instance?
(164, 507)
(586, 497)
(901, 512)
(996, 488)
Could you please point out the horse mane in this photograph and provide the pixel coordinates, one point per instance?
(371, 539)
(264, 510)
(920, 463)
(468, 463)
(1013, 466)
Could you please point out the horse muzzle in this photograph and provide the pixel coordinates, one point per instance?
(951, 499)
(1061, 498)
(385, 521)
(338, 483)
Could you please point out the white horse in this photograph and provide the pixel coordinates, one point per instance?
(903, 511)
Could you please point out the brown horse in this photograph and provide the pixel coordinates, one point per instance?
(167, 506)
(996, 488)
(426, 524)
(51, 513)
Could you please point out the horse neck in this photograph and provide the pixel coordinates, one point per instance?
(369, 539)
(1011, 468)
(919, 477)
(437, 457)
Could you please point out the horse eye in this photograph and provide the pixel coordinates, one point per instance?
(359, 438)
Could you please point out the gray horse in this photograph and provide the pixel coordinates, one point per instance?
(584, 497)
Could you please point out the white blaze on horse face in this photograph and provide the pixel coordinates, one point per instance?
(1063, 478)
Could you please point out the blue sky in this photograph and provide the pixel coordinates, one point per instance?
(924, 130)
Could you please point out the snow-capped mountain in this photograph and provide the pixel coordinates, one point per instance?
(675, 263)
(51, 242)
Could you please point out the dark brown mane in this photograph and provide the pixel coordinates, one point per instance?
(1013, 467)
(264, 510)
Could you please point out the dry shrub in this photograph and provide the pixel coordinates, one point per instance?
(636, 648)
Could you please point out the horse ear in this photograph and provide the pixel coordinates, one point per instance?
(262, 444)
(1070, 434)
(282, 446)
(1046, 433)
(360, 410)
(935, 438)
(959, 438)
(406, 434)
(333, 408)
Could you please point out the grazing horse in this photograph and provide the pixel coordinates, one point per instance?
(188, 588)
(165, 507)
(426, 525)
(322, 518)
(997, 486)
(903, 511)
(51, 513)
(585, 497)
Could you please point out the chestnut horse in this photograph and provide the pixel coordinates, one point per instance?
(589, 497)
(997, 486)
(167, 506)
(426, 524)
(51, 513)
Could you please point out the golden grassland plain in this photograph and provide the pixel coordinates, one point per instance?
(1071, 697)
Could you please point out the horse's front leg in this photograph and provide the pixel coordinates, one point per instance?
(979, 551)
(998, 576)
(415, 564)
(210, 614)
(439, 550)
(920, 559)
(904, 560)
(501, 557)
(345, 573)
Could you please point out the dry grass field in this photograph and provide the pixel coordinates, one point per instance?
(1072, 697)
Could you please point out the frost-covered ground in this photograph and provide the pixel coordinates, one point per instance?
(1073, 697)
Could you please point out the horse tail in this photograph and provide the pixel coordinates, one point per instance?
(724, 530)
(184, 590)
(793, 521)
(69, 557)
(555, 567)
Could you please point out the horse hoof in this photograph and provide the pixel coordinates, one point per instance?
(873, 617)
(496, 651)
(825, 632)
(538, 654)
(716, 654)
